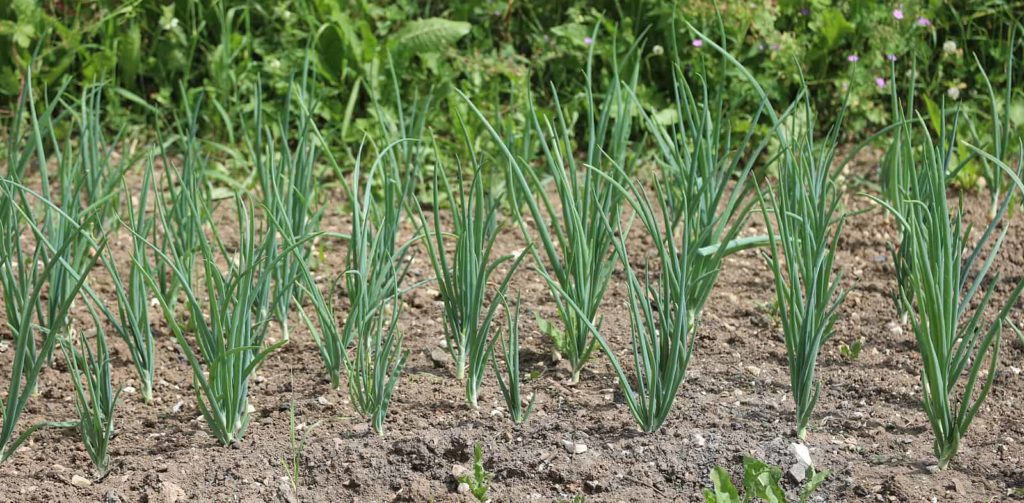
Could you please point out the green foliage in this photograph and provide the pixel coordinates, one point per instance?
(478, 479)
(132, 320)
(63, 251)
(373, 271)
(662, 343)
(229, 328)
(95, 398)
(575, 238)
(851, 351)
(804, 239)
(463, 280)
(285, 173)
(761, 482)
(511, 385)
(943, 275)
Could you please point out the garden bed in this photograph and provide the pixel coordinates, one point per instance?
(868, 428)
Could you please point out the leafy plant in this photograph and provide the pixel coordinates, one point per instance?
(478, 479)
(851, 351)
(463, 280)
(944, 276)
(575, 239)
(511, 385)
(808, 223)
(95, 397)
(761, 482)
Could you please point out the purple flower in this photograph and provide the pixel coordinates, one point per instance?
(853, 58)
(890, 57)
(805, 12)
(897, 13)
(697, 42)
(587, 41)
(923, 21)
(880, 82)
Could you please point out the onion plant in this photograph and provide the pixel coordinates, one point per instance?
(571, 227)
(376, 365)
(185, 194)
(132, 320)
(511, 384)
(706, 181)
(285, 174)
(803, 242)
(371, 278)
(948, 287)
(463, 280)
(229, 328)
(35, 322)
(95, 397)
(662, 326)
(1000, 141)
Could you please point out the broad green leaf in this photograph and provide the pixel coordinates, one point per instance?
(429, 35)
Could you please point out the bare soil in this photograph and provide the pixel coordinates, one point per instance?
(868, 429)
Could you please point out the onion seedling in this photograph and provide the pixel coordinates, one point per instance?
(24, 275)
(944, 277)
(371, 275)
(132, 320)
(286, 178)
(803, 243)
(95, 397)
(661, 323)
(181, 224)
(511, 384)
(574, 239)
(1000, 126)
(230, 338)
(707, 183)
(374, 369)
(462, 281)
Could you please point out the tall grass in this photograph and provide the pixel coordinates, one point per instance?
(571, 231)
(948, 285)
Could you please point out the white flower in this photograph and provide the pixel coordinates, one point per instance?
(657, 50)
(802, 453)
(169, 24)
(949, 47)
(953, 93)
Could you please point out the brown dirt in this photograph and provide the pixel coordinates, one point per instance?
(868, 428)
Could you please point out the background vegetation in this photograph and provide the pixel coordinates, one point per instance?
(159, 57)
